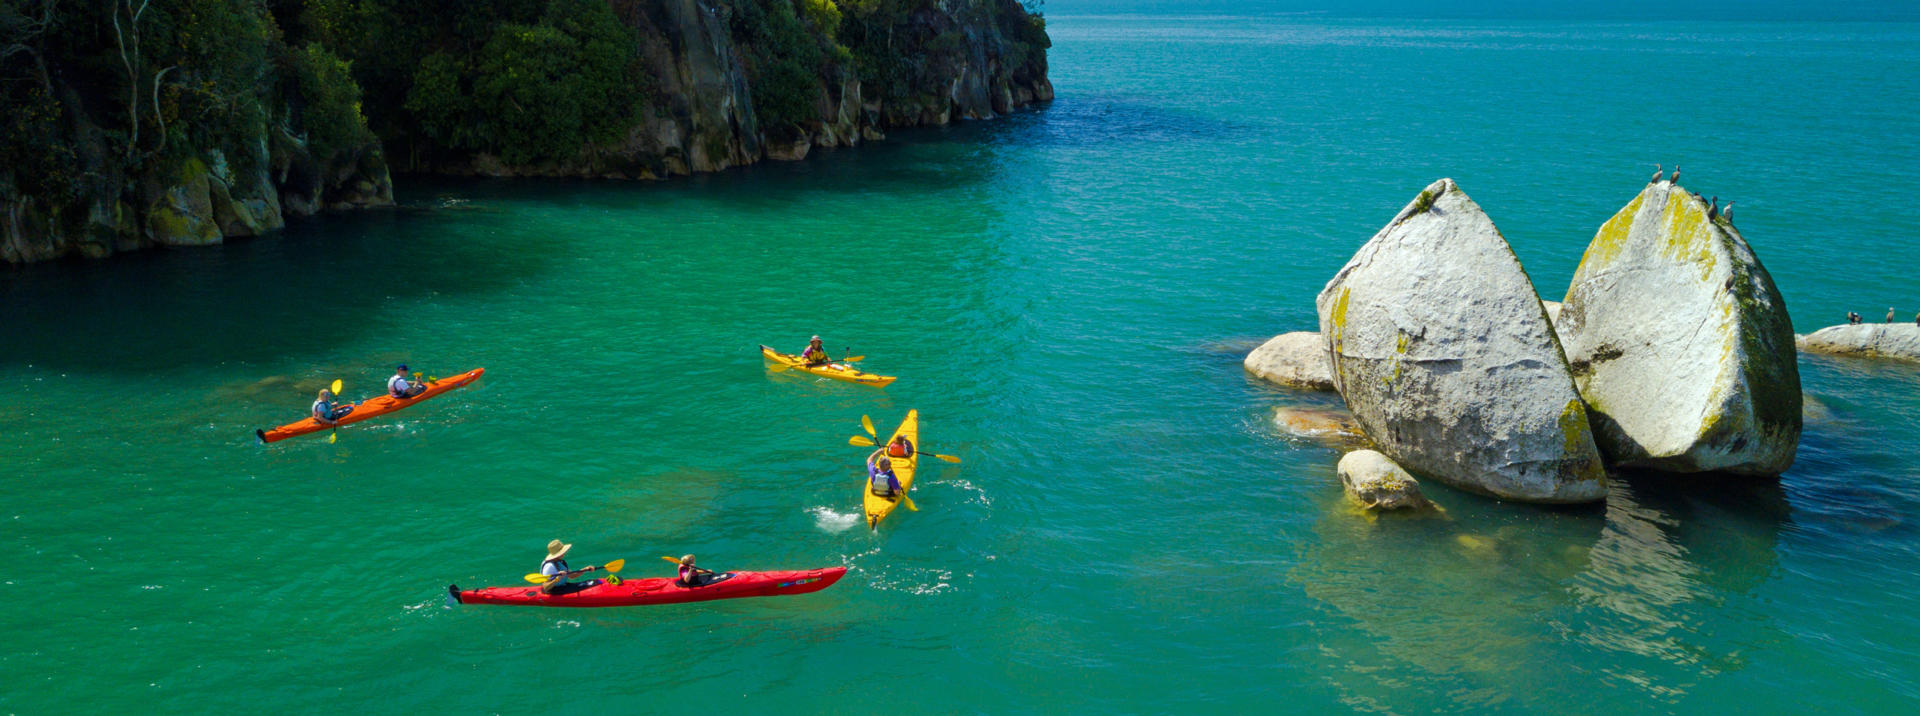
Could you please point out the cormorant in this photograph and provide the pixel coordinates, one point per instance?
(1675, 179)
(1726, 214)
(1713, 210)
(1657, 169)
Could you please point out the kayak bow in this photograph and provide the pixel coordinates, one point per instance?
(659, 590)
(830, 370)
(370, 408)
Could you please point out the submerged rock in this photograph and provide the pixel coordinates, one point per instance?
(1379, 484)
(1680, 343)
(1443, 353)
(1295, 360)
(1865, 340)
(1330, 426)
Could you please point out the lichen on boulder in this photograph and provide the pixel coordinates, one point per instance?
(1375, 482)
(1680, 343)
(1441, 349)
(1295, 360)
(1865, 340)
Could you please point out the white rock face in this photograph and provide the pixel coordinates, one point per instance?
(1552, 308)
(1867, 340)
(1445, 356)
(1681, 344)
(1378, 484)
(1295, 360)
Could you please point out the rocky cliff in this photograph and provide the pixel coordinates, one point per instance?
(144, 123)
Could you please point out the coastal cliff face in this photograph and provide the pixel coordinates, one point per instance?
(183, 122)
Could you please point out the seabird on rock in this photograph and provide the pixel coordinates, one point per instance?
(1713, 211)
(1675, 179)
(1657, 169)
(1726, 214)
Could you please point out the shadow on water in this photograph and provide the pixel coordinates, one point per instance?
(1461, 599)
(297, 291)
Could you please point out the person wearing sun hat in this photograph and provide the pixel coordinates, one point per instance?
(554, 567)
(815, 354)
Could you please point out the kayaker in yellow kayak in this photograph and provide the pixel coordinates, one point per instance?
(325, 411)
(815, 354)
(399, 387)
(900, 446)
(880, 477)
(555, 569)
(691, 576)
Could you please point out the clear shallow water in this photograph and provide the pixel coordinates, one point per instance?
(1067, 295)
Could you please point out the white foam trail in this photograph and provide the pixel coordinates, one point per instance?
(832, 521)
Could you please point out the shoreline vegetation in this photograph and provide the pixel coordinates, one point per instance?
(143, 123)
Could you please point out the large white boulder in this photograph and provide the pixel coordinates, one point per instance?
(1295, 360)
(1445, 356)
(1867, 340)
(1680, 343)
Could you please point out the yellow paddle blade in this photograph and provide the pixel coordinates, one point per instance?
(853, 359)
(780, 367)
(536, 578)
(908, 501)
(867, 423)
(615, 565)
(670, 559)
(859, 440)
(333, 437)
(948, 458)
(335, 388)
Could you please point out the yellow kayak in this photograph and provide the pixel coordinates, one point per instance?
(835, 371)
(877, 506)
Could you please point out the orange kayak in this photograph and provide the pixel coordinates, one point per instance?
(370, 408)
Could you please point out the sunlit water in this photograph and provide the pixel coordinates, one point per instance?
(1066, 295)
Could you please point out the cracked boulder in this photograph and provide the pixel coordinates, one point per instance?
(1441, 349)
(1680, 343)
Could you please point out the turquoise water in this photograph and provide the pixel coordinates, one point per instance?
(1067, 295)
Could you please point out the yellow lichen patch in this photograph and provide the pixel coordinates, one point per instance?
(1689, 234)
(1613, 234)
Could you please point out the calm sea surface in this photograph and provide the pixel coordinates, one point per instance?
(1066, 295)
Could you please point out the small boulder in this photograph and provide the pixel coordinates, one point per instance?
(1379, 484)
(1441, 349)
(1680, 342)
(1295, 360)
(1865, 340)
(1330, 426)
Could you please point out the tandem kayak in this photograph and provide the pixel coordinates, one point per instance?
(879, 507)
(658, 590)
(370, 408)
(831, 370)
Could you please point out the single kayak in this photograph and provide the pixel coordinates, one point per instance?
(831, 370)
(879, 507)
(370, 408)
(658, 590)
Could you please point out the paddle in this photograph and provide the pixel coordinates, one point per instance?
(864, 442)
(614, 566)
(334, 436)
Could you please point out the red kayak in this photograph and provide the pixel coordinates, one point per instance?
(659, 590)
(371, 408)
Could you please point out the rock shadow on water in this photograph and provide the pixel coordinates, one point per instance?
(295, 292)
(1463, 603)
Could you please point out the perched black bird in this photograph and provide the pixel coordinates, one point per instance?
(1676, 175)
(1657, 169)
(1713, 211)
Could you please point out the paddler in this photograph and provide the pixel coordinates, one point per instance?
(325, 411)
(556, 572)
(691, 576)
(880, 477)
(399, 387)
(900, 446)
(815, 354)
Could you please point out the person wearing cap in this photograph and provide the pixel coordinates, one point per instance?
(399, 387)
(556, 571)
(325, 411)
(815, 354)
(880, 477)
(691, 576)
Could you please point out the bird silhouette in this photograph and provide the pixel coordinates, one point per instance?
(1675, 179)
(1726, 214)
(1713, 210)
(1657, 169)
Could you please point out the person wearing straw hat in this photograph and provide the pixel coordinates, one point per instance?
(556, 572)
(816, 353)
(691, 576)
